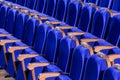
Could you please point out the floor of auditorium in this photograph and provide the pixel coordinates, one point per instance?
(3, 73)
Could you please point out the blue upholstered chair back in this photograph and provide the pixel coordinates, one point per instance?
(100, 23)
(116, 5)
(22, 2)
(40, 5)
(29, 31)
(93, 1)
(31, 4)
(19, 25)
(3, 14)
(86, 18)
(52, 45)
(114, 30)
(65, 51)
(40, 38)
(105, 3)
(61, 9)
(10, 21)
(74, 10)
(51, 7)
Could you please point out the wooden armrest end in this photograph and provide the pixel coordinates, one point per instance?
(21, 57)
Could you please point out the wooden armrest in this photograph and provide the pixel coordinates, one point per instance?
(88, 47)
(21, 57)
(32, 66)
(75, 39)
(117, 66)
(43, 17)
(110, 58)
(43, 76)
(55, 22)
(3, 42)
(4, 35)
(75, 33)
(14, 48)
(99, 48)
(64, 27)
(89, 40)
(52, 22)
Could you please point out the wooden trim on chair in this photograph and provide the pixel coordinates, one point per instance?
(75, 33)
(3, 42)
(64, 27)
(99, 48)
(32, 66)
(109, 58)
(22, 57)
(14, 48)
(86, 40)
(43, 76)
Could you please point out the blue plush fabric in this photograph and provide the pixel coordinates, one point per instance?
(111, 74)
(39, 41)
(93, 1)
(3, 15)
(105, 3)
(86, 17)
(61, 9)
(19, 25)
(50, 7)
(75, 8)
(113, 32)
(31, 4)
(116, 6)
(21, 2)
(10, 21)
(40, 5)
(100, 23)
(29, 28)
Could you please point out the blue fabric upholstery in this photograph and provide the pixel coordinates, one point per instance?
(116, 6)
(28, 36)
(51, 7)
(94, 1)
(22, 2)
(38, 46)
(31, 4)
(40, 5)
(105, 3)
(75, 8)
(10, 21)
(61, 9)
(111, 73)
(3, 15)
(100, 23)
(86, 17)
(97, 65)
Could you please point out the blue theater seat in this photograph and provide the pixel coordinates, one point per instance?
(31, 4)
(51, 7)
(27, 40)
(95, 60)
(22, 2)
(112, 73)
(41, 5)
(61, 10)
(19, 25)
(3, 14)
(106, 3)
(64, 57)
(116, 6)
(93, 1)
(38, 46)
(85, 20)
